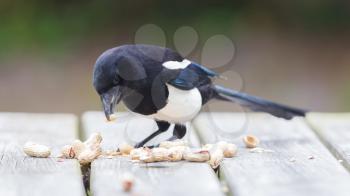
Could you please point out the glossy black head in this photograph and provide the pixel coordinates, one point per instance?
(129, 69)
(107, 82)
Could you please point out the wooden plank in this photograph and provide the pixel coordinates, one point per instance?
(334, 131)
(298, 165)
(23, 175)
(177, 178)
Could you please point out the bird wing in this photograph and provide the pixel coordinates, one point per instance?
(192, 76)
(203, 70)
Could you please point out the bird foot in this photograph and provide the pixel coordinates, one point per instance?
(140, 144)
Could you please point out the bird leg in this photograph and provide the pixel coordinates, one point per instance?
(162, 127)
(178, 133)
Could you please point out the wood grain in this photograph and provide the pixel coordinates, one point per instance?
(177, 178)
(298, 165)
(334, 131)
(23, 175)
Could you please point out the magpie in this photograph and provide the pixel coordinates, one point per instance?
(160, 84)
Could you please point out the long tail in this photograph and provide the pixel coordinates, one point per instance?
(257, 104)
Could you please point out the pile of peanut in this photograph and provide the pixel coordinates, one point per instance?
(84, 152)
(178, 150)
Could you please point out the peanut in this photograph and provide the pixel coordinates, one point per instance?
(176, 153)
(88, 155)
(86, 151)
(155, 155)
(197, 155)
(68, 152)
(93, 141)
(146, 155)
(73, 150)
(91, 150)
(136, 153)
(127, 182)
(36, 150)
(251, 141)
(160, 154)
(125, 148)
(112, 118)
(229, 150)
(216, 157)
(78, 147)
(169, 144)
(147, 158)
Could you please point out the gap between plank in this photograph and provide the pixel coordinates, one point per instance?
(85, 169)
(86, 173)
(218, 172)
(329, 147)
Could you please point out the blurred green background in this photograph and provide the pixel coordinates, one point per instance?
(295, 52)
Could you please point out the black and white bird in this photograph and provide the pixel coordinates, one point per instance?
(159, 83)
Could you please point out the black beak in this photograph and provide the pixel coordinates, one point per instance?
(109, 100)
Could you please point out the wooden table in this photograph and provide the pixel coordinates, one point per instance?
(305, 156)
(22, 175)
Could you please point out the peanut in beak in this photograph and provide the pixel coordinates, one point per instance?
(112, 118)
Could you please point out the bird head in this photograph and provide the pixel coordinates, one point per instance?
(107, 82)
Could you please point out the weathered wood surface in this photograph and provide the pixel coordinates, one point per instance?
(21, 175)
(178, 178)
(298, 165)
(334, 132)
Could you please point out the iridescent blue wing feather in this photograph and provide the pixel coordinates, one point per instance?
(192, 76)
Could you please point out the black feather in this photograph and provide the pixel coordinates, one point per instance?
(194, 75)
(257, 104)
(203, 70)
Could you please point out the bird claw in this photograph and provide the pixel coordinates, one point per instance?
(140, 145)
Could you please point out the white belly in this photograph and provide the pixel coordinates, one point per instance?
(182, 105)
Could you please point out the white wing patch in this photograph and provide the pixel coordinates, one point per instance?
(176, 64)
(182, 106)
